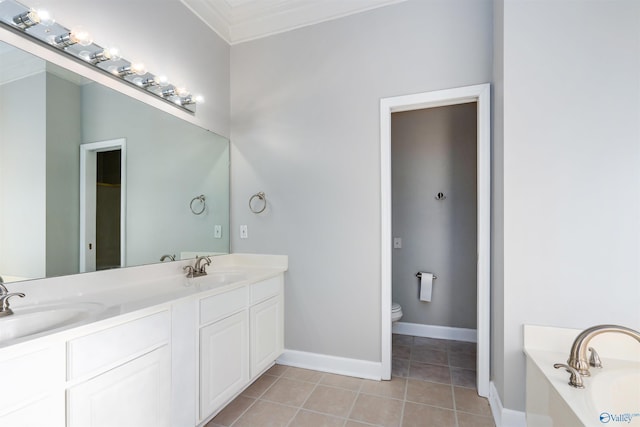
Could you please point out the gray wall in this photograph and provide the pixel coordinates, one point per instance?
(434, 150)
(63, 172)
(570, 142)
(305, 130)
(23, 161)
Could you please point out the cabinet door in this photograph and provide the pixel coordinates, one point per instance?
(224, 361)
(132, 395)
(49, 411)
(267, 330)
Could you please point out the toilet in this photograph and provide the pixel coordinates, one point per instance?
(396, 312)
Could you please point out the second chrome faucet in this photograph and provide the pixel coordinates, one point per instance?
(199, 268)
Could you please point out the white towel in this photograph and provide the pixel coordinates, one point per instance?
(426, 286)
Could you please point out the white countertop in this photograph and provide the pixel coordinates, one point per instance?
(116, 295)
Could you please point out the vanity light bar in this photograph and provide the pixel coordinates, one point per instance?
(78, 43)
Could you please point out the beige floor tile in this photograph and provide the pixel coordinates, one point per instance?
(259, 386)
(428, 372)
(302, 374)
(331, 400)
(467, 400)
(313, 419)
(288, 392)
(470, 420)
(461, 347)
(418, 415)
(399, 367)
(351, 423)
(430, 343)
(231, 412)
(429, 355)
(430, 393)
(350, 383)
(377, 410)
(276, 370)
(266, 414)
(463, 360)
(401, 351)
(463, 377)
(394, 389)
(402, 339)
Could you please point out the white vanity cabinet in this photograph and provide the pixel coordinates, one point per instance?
(224, 348)
(267, 324)
(241, 335)
(121, 376)
(32, 392)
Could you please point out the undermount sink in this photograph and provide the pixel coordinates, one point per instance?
(36, 319)
(227, 276)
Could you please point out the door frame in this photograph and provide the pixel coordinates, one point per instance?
(88, 169)
(481, 94)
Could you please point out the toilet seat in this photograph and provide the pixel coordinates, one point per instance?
(396, 312)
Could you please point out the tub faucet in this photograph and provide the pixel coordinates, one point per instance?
(578, 356)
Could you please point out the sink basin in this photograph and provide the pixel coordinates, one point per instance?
(33, 320)
(224, 277)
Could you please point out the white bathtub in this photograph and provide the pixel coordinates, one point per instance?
(611, 396)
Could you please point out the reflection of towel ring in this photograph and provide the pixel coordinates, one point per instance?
(260, 196)
(201, 199)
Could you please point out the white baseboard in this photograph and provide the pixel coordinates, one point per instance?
(432, 331)
(332, 364)
(504, 417)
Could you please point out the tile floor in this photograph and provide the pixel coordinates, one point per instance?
(432, 385)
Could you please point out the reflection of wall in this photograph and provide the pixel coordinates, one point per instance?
(38, 176)
(63, 172)
(168, 163)
(433, 151)
(22, 177)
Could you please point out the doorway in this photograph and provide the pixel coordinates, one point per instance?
(102, 205)
(479, 94)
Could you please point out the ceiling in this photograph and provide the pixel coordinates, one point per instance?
(238, 21)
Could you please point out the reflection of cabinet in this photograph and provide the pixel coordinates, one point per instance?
(123, 375)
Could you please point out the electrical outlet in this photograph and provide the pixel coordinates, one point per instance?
(397, 243)
(217, 231)
(244, 232)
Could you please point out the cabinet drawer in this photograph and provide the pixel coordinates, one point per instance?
(111, 347)
(266, 289)
(220, 306)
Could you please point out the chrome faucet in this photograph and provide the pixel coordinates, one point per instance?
(3, 288)
(198, 269)
(5, 310)
(578, 356)
(167, 256)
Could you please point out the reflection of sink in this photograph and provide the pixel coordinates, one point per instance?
(36, 319)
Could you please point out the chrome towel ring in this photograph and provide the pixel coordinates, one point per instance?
(203, 205)
(260, 196)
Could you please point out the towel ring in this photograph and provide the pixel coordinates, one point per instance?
(261, 197)
(201, 198)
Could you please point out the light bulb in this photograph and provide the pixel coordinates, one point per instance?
(26, 19)
(161, 81)
(45, 18)
(81, 36)
(182, 92)
(138, 69)
(107, 54)
(199, 99)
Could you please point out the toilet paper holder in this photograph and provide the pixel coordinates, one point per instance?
(419, 276)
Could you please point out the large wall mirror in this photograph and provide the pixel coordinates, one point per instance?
(92, 179)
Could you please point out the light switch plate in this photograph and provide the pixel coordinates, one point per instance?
(244, 232)
(217, 231)
(397, 243)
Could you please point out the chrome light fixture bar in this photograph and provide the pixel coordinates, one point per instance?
(78, 43)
